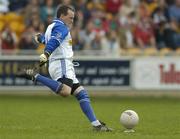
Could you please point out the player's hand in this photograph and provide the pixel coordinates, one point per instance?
(37, 38)
(43, 58)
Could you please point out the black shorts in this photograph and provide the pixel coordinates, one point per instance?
(69, 82)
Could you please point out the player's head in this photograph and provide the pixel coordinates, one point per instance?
(66, 13)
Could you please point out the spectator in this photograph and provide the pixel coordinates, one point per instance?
(160, 19)
(110, 22)
(48, 20)
(36, 23)
(126, 30)
(126, 17)
(135, 3)
(144, 35)
(83, 12)
(77, 43)
(17, 5)
(32, 9)
(172, 36)
(113, 6)
(151, 5)
(26, 42)
(143, 10)
(96, 43)
(9, 38)
(47, 10)
(87, 36)
(111, 44)
(126, 9)
(174, 11)
(79, 19)
(159, 35)
(98, 24)
(160, 14)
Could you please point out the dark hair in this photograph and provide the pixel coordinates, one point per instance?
(63, 9)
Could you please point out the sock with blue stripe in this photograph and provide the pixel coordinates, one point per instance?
(53, 85)
(85, 105)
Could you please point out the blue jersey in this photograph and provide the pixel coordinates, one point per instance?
(58, 41)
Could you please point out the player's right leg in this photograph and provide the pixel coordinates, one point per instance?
(62, 86)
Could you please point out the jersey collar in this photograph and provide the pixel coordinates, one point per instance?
(58, 20)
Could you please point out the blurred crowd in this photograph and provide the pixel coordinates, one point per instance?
(102, 27)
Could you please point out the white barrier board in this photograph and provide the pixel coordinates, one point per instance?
(156, 73)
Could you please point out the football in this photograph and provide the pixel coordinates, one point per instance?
(129, 119)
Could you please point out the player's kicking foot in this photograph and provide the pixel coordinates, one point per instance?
(102, 128)
(28, 74)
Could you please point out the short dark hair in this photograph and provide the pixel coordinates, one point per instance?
(63, 9)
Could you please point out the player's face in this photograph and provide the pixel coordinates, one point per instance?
(69, 18)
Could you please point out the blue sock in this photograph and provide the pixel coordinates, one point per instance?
(53, 85)
(85, 105)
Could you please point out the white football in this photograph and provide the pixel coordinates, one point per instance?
(129, 119)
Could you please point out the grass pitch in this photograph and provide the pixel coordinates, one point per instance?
(54, 117)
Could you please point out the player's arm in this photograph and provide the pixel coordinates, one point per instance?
(57, 36)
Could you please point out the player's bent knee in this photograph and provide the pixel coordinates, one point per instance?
(79, 89)
(82, 95)
(65, 91)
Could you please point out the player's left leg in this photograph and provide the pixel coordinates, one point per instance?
(82, 96)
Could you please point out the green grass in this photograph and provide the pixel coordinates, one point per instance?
(53, 117)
